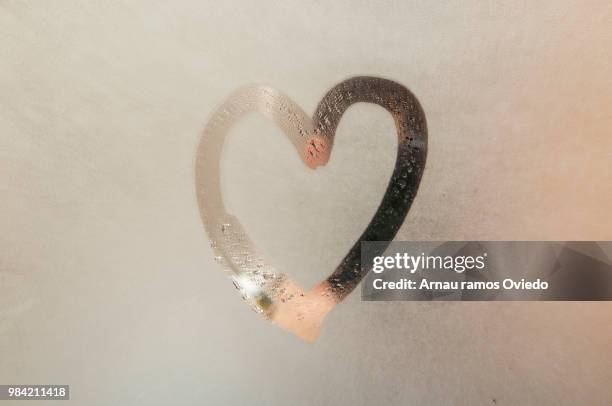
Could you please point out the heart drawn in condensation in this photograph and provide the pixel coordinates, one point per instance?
(266, 290)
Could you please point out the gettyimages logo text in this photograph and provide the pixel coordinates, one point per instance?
(414, 263)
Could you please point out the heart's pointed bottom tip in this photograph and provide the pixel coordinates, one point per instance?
(303, 313)
(308, 334)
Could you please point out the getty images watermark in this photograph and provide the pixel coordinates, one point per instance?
(459, 264)
(487, 270)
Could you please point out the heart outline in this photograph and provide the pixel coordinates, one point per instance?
(313, 138)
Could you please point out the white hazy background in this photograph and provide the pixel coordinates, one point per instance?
(107, 281)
